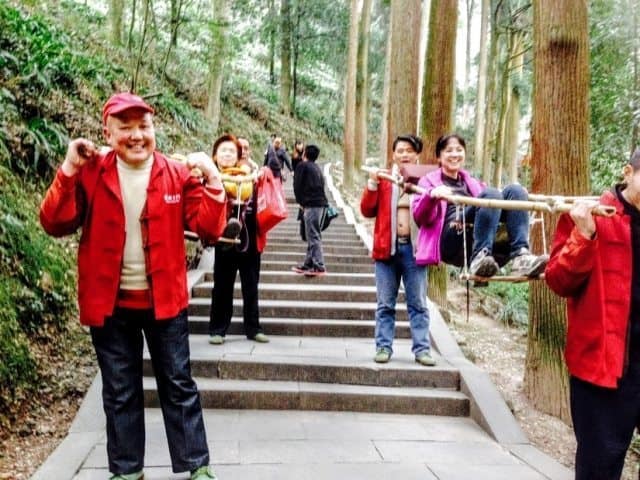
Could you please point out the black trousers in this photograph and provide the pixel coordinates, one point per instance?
(118, 346)
(603, 421)
(227, 264)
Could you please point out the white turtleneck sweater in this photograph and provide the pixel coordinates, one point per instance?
(134, 180)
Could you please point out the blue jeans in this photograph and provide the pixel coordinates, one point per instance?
(485, 225)
(388, 274)
(118, 346)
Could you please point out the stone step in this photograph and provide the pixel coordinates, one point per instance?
(294, 239)
(302, 292)
(327, 248)
(278, 395)
(308, 327)
(332, 240)
(285, 360)
(303, 310)
(293, 257)
(332, 267)
(336, 224)
(330, 278)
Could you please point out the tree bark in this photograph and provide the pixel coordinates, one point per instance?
(403, 66)
(488, 147)
(350, 97)
(635, 132)
(272, 42)
(516, 63)
(466, 110)
(217, 60)
(362, 74)
(560, 112)
(285, 57)
(437, 103)
(478, 159)
(116, 10)
(439, 81)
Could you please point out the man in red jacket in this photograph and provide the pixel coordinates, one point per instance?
(595, 263)
(133, 205)
(394, 255)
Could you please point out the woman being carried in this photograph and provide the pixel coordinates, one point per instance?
(440, 238)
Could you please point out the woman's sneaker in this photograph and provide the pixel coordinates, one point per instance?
(526, 264)
(483, 265)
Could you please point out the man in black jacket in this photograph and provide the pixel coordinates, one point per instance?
(276, 158)
(308, 186)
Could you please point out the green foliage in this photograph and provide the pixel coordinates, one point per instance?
(615, 103)
(36, 291)
(515, 300)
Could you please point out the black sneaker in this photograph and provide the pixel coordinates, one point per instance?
(315, 272)
(483, 265)
(301, 268)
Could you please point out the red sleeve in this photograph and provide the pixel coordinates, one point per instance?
(369, 202)
(572, 258)
(203, 213)
(61, 210)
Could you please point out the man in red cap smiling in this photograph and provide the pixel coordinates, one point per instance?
(133, 205)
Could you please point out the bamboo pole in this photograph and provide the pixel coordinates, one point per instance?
(540, 206)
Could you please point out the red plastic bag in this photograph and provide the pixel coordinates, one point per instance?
(272, 206)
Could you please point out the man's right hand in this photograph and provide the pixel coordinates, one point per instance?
(582, 215)
(79, 152)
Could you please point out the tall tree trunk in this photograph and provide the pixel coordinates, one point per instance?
(285, 57)
(116, 10)
(437, 102)
(403, 66)
(466, 110)
(513, 113)
(143, 36)
(350, 97)
(174, 25)
(488, 147)
(478, 158)
(176, 11)
(272, 42)
(295, 45)
(384, 124)
(362, 74)
(560, 112)
(504, 87)
(217, 57)
(132, 24)
(635, 132)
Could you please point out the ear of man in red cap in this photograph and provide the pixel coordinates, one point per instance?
(120, 102)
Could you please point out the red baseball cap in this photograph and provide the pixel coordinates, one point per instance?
(120, 102)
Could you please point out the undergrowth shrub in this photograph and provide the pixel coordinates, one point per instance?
(36, 292)
(515, 300)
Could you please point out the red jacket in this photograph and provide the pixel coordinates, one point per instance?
(92, 200)
(595, 276)
(382, 204)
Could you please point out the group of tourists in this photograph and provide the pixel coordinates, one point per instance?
(133, 204)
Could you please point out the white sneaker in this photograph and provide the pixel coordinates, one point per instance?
(526, 264)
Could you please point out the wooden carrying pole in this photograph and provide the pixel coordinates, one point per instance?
(556, 206)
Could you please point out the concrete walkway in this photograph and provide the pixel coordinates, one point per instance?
(481, 441)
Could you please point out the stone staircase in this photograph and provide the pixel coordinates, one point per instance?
(321, 331)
